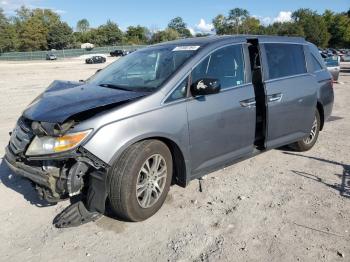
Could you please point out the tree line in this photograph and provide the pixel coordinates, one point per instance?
(43, 29)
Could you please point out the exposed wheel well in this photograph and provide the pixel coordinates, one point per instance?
(321, 112)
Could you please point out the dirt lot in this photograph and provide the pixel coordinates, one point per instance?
(279, 206)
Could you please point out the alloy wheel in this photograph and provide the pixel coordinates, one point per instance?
(310, 138)
(151, 181)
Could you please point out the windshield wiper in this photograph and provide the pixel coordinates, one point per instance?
(134, 89)
(115, 87)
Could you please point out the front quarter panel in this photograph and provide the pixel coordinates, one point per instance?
(168, 121)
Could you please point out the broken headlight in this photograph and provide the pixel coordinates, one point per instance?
(49, 145)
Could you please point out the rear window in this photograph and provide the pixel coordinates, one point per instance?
(285, 60)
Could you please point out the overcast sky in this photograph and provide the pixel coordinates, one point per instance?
(156, 13)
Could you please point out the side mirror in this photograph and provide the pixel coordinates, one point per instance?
(98, 70)
(205, 86)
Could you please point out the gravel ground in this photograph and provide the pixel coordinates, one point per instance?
(278, 206)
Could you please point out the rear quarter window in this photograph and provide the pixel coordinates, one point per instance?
(315, 65)
(285, 60)
(317, 62)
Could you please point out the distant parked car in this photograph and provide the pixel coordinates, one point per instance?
(51, 57)
(345, 58)
(119, 52)
(95, 60)
(333, 66)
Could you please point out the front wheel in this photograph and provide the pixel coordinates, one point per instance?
(140, 179)
(309, 141)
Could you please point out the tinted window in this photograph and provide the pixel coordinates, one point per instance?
(226, 65)
(315, 65)
(285, 60)
(179, 92)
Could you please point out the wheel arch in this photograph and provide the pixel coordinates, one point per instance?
(180, 165)
(321, 112)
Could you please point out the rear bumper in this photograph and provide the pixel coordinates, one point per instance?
(37, 176)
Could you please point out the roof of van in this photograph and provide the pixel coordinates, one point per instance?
(201, 41)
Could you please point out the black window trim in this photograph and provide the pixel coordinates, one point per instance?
(189, 74)
(165, 100)
(246, 80)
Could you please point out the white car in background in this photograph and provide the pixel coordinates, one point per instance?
(333, 66)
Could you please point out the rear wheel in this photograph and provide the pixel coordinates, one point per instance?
(309, 141)
(140, 179)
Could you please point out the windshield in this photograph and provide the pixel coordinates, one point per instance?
(144, 70)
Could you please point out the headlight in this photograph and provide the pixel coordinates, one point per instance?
(50, 145)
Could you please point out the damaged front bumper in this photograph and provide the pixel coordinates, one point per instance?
(44, 182)
(62, 176)
(34, 174)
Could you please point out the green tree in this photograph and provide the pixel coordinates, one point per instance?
(314, 26)
(33, 28)
(92, 36)
(7, 35)
(136, 34)
(60, 36)
(108, 34)
(219, 23)
(3, 31)
(339, 28)
(238, 21)
(83, 25)
(46, 16)
(180, 26)
(23, 13)
(3, 18)
(166, 35)
(284, 29)
(33, 35)
(251, 25)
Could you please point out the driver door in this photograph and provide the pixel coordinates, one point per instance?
(222, 125)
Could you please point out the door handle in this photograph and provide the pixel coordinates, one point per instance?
(248, 102)
(275, 97)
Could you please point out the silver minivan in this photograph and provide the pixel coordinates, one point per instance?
(168, 114)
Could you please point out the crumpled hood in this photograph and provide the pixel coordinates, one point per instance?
(63, 99)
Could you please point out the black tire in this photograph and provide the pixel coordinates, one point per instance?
(123, 178)
(307, 143)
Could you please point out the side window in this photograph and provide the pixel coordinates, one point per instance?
(179, 92)
(285, 60)
(315, 65)
(226, 65)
